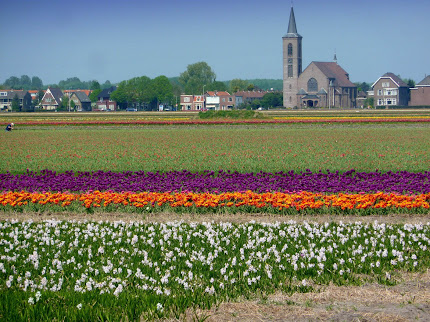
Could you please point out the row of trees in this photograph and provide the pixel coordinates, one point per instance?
(35, 83)
(24, 82)
(148, 94)
(143, 92)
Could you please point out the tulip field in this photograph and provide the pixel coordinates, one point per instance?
(92, 269)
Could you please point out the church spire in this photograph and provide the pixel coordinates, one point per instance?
(292, 29)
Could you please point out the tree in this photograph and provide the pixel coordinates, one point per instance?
(71, 83)
(95, 85)
(238, 84)
(196, 76)
(274, 99)
(15, 104)
(119, 95)
(161, 90)
(364, 87)
(369, 102)
(36, 83)
(94, 95)
(410, 82)
(106, 84)
(13, 82)
(64, 106)
(216, 86)
(25, 82)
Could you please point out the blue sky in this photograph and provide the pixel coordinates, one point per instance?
(118, 40)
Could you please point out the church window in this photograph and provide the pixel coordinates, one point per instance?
(290, 71)
(291, 99)
(291, 86)
(312, 85)
(290, 50)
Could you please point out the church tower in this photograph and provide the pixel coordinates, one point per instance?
(292, 62)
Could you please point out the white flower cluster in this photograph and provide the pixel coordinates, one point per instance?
(168, 259)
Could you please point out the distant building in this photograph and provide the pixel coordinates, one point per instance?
(209, 101)
(186, 102)
(246, 97)
(361, 98)
(7, 96)
(219, 100)
(420, 94)
(81, 100)
(52, 99)
(104, 103)
(390, 90)
(321, 84)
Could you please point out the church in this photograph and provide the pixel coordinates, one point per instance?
(321, 84)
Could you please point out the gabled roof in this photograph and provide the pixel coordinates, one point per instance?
(333, 71)
(106, 92)
(82, 97)
(424, 82)
(56, 93)
(396, 79)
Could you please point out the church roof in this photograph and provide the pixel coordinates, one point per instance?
(424, 82)
(334, 71)
(292, 28)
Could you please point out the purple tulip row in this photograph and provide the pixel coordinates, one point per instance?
(223, 181)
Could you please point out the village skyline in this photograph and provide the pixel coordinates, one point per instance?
(55, 40)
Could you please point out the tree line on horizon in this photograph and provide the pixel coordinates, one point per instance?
(146, 93)
(190, 81)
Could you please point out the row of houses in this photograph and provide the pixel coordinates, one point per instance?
(388, 90)
(53, 98)
(214, 100)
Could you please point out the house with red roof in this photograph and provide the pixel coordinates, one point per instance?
(219, 100)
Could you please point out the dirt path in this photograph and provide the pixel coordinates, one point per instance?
(407, 301)
(237, 218)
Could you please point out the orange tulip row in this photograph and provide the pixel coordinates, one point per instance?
(279, 200)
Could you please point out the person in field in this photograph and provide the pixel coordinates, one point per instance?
(9, 127)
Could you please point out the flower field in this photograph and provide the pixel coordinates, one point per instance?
(88, 271)
(117, 270)
(240, 148)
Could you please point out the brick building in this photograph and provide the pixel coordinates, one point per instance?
(321, 84)
(390, 90)
(420, 94)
